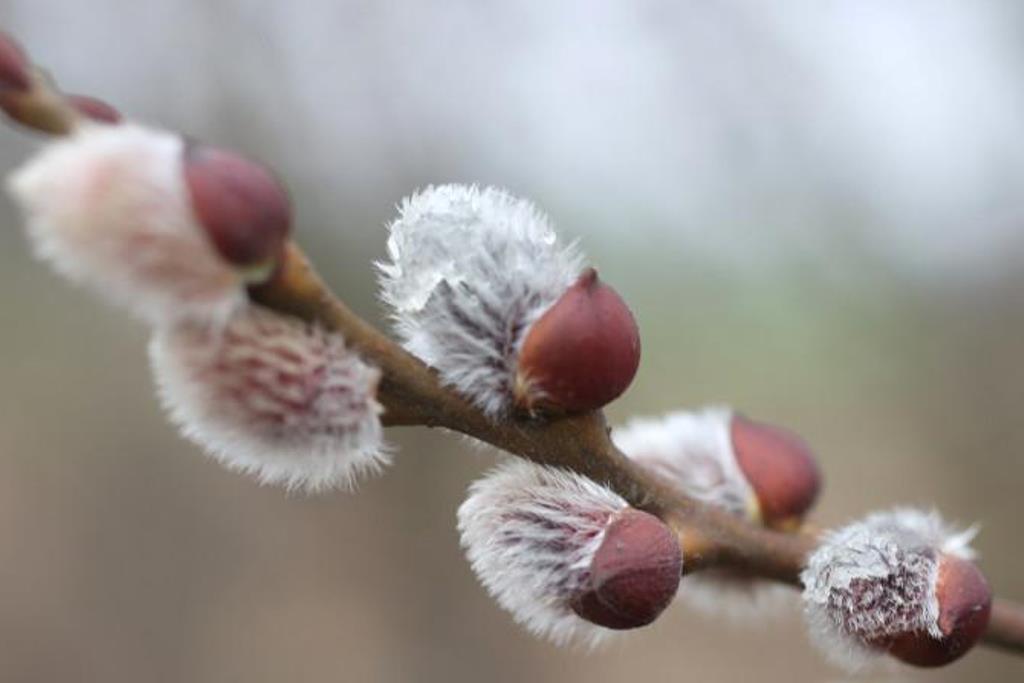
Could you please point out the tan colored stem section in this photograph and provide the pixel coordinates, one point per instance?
(42, 106)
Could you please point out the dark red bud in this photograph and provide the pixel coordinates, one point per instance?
(14, 66)
(634, 574)
(581, 354)
(244, 209)
(965, 602)
(780, 468)
(94, 109)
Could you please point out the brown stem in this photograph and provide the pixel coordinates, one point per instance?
(41, 107)
(412, 395)
(1006, 626)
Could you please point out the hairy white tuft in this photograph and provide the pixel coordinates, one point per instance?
(738, 598)
(692, 451)
(108, 207)
(469, 272)
(876, 578)
(272, 396)
(530, 533)
(928, 527)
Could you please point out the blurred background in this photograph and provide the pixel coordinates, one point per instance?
(815, 209)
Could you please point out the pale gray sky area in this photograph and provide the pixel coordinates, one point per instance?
(733, 130)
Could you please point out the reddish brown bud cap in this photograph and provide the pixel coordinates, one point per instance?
(582, 353)
(14, 66)
(965, 602)
(780, 468)
(94, 109)
(634, 574)
(243, 208)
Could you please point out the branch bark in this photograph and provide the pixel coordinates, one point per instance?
(412, 395)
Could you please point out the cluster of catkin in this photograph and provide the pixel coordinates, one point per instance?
(480, 287)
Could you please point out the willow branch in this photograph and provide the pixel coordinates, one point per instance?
(412, 395)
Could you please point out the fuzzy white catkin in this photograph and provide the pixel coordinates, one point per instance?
(530, 533)
(468, 272)
(273, 397)
(694, 452)
(108, 207)
(876, 578)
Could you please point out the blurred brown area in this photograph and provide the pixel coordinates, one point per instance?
(125, 555)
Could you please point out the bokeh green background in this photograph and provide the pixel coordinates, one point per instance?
(814, 210)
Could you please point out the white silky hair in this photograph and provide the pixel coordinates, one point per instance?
(876, 578)
(108, 207)
(469, 271)
(273, 397)
(742, 600)
(693, 451)
(929, 528)
(530, 533)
